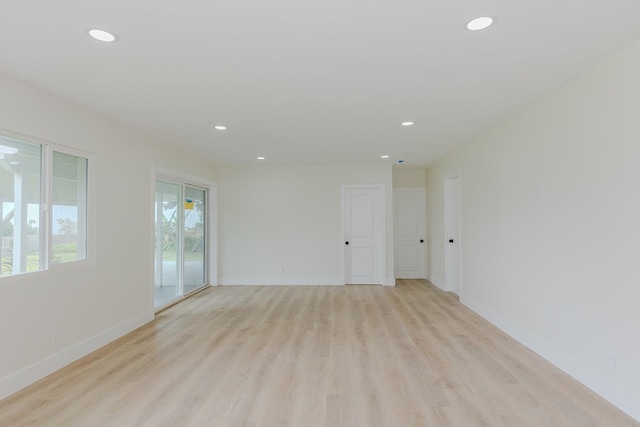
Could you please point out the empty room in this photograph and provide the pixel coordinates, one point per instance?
(304, 213)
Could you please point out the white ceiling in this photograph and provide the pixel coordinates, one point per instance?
(310, 81)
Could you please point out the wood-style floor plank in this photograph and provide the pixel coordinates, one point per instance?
(312, 356)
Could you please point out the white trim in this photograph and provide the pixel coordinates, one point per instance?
(409, 189)
(277, 281)
(391, 281)
(624, 399)
(163, 172)
(32, 373)
(450, 176)
(383, 188)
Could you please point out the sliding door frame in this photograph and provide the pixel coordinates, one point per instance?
(211, 229)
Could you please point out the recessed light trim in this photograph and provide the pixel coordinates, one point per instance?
(384, 157)
(102, 35)
(261, 158)
(14, 163)
(407, 123)
(220, 127)
(480, 23)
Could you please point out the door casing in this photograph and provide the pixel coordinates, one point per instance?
(452, 227)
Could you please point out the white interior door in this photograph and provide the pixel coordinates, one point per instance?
(409, 222)
(452, 229)
(364, 235)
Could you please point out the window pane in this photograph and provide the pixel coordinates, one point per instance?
(19, 206)
(194, 239)
(168, 243)
(69, 208)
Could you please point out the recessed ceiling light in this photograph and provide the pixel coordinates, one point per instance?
(14, 163)
(407, 123)
(384, 157)
(260, 158)
(479, 23)
(103, 36)
(219, 127)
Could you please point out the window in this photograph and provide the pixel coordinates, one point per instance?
(20, 166)
(68, 208)
(43, 206)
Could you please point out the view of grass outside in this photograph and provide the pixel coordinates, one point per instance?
(64, 252)
(188, 256)
(32, 250)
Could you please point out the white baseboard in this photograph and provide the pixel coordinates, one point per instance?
(288, 281)
(438, 282)
(625, 400)
(30, 374)
(275, 281)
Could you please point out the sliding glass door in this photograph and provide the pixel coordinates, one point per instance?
(168, 220)
(180, 241)
(195, 213)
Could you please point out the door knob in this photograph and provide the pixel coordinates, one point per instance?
(421, 240)
(450, 240)
(346, 243)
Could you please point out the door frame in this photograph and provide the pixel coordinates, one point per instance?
(448, 179)
(383, 207)
(423, 192)
(211, 237)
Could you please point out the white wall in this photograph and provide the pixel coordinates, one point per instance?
(560, 271)
(94, 303)
(289, 217)
(409, 177)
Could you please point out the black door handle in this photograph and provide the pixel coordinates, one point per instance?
(346, 243)
(450, 240)
(421, 240)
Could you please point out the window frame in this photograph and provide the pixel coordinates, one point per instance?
(50, 149)
(47, 148)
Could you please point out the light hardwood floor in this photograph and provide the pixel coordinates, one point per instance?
(312, 356)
